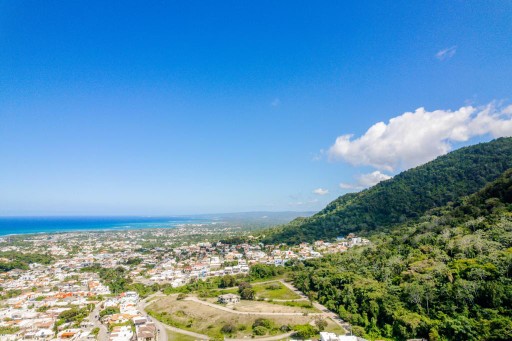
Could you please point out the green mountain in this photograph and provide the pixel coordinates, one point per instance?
(445, 276)
(406, 196)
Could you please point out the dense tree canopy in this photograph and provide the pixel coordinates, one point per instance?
(407, 196)
(16, 260)
(447, 276)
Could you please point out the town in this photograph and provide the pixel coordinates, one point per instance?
(71, 298)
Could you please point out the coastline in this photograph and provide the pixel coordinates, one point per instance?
(16, 226)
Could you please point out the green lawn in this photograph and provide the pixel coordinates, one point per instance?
(275, 291)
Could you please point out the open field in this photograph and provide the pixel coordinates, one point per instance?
(173, 336)
(271, 307)
(274, 290)
(217, 292)
(304, 305)
(200, 318)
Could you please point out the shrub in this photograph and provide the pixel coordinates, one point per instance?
(305, 331)
(259, 330)
(244, 285)
(273, 286)
(262, 322)
(285, 328)
(228, 328)
(320, 323)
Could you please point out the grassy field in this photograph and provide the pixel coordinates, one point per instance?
(275, 291)
(217, 292)
(207, 320)
(267, 279)
(172, 336)
(304, 305)
(271, 306)
(334, 328)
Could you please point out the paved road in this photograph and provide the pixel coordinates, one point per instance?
(324, 312)
(141, 306)
(160, 327)
(93, 317)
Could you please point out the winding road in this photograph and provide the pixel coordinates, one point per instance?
(326, 313)
(163, 328)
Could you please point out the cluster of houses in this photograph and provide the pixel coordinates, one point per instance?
(130, 324)
(326, 336)
(26, 320)
(32, 300)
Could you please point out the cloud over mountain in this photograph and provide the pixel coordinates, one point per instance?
(366, 180)
(321, 191)
(414, 138)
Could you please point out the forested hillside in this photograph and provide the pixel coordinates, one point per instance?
(406, 196)
(447, 276)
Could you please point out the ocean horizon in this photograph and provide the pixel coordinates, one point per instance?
(55, 224)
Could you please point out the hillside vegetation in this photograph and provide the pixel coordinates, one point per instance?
(446, 276)
(406, 196)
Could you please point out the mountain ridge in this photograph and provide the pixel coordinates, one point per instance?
(406, 196)
(446, 276)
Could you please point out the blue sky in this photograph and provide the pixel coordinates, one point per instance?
(214, 106)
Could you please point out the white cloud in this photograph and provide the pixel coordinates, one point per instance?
(414, 138)
(345, 185)
(447, 53)
(321, 191)
(373, 178)
(365, 181)
(507, 110)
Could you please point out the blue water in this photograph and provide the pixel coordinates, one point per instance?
(25, 225)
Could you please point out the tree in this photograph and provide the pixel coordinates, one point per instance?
(248, 294)
(246, 291)
(109, 311)
(445, 276)
(243, 285)
(227, 281)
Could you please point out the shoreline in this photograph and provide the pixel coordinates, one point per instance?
(23, 226)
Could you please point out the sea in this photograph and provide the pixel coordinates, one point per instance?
(30, 225)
